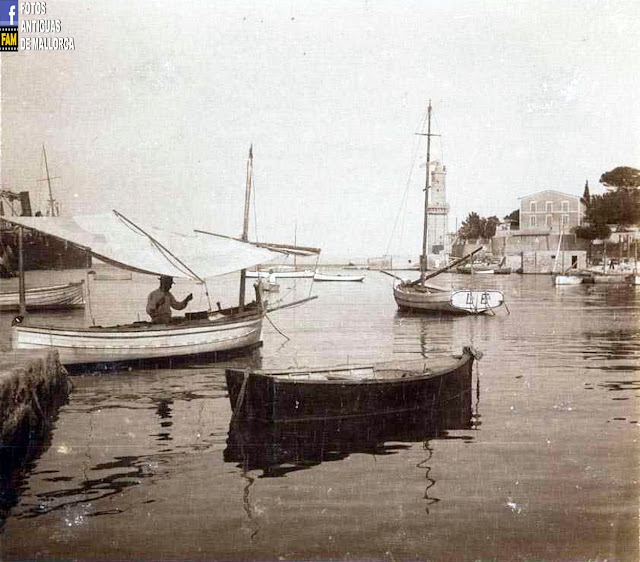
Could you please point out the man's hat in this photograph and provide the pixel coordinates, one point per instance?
(166, 279)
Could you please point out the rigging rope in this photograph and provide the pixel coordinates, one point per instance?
(275, 328)
(167, 254)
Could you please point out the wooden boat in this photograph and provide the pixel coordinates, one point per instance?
(307, 273)
(54, 297)
(319, 276)
(421, 297)
(284, 447)
(431, 298)
(116, 240)
(184, 337)
(116, 275)
(475, 269)
(346, 391)
(560, 279)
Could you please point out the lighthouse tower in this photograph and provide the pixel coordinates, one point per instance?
(438, 210)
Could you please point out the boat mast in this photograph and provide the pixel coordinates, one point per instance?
(51, 200)
(21, 286)
(425, 236)
(245, 226)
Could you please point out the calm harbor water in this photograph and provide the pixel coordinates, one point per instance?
(543, 466)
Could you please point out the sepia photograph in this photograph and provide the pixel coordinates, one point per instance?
(350, 280)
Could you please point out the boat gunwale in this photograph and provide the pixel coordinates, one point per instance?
(460, 361)
(144, 328)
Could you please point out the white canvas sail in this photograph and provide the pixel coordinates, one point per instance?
(112, 238)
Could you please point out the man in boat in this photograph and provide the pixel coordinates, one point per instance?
(161, 301)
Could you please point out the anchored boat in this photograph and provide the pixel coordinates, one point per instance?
(54, 297)
(347, 391)
(423, 297)
(115, 239)
(340, 277)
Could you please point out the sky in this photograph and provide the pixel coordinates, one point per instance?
(154, 111)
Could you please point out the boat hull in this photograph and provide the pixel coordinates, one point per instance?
(142, 341)
(610, 278)
(280, 274)
(54, 297)
(567, 280)
(437, 300)
(347, 393)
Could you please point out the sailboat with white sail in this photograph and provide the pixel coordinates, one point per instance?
(424, 297)
(116, 240)
(196, 255)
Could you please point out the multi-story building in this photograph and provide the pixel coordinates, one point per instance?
(550, 210)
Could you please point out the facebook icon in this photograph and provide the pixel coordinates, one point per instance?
(8, 13)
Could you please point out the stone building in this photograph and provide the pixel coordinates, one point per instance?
(550, 210)
(438, 210)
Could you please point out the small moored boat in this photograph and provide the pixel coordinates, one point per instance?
(319, 276)
(278, 396)
(54, 297)
(281, 274)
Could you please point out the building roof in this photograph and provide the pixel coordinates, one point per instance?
(551, 191)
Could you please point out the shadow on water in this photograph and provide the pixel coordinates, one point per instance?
(280, 449)
(18, 458)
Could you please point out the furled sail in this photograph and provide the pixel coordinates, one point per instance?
(281, 248)
(112, 238)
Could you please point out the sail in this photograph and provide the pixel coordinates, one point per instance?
(112, 238)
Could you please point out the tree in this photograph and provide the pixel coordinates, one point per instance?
(592, 232)
(586, 197)
(621, 178)
(621, 208)
(514, 217)
(475, 227)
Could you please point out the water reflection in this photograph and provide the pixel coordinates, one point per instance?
(19, 457)
(164, 413)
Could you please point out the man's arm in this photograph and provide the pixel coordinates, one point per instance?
(179, 305)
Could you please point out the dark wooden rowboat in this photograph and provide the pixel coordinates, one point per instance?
(344, 392)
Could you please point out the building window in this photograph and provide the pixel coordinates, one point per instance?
(532, 220)
(549, 207)
(549, 221)
(532, 207)
(565, 220)
(565, 206)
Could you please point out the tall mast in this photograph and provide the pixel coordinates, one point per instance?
(423, 257)
(245, 225)
(51, 200)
